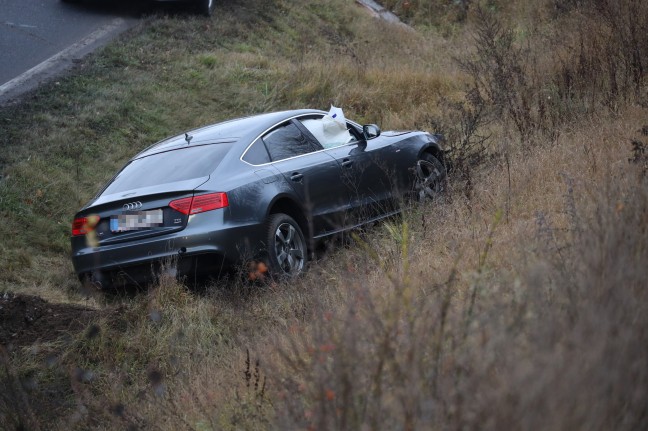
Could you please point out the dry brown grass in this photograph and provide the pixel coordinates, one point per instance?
(524, 324)
(516, 302)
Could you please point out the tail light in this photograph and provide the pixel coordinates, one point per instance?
(83, 225)
(200, 203)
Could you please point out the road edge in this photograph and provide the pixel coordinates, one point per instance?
(382, 13)
(56, 65)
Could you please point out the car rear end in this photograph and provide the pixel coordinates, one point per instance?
(157, 209)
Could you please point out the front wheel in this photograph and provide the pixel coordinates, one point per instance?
(287, 252)
(207, 7)
(430, 178)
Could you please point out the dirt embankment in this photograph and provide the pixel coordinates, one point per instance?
(25, 320)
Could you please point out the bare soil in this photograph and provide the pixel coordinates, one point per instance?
(25, 320)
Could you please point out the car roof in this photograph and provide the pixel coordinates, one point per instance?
(239, 130)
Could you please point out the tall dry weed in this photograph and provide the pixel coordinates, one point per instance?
(597, 58)
(562, 345)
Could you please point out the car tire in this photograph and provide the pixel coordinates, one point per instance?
(430, 178)
(287, 251)
(207, 7)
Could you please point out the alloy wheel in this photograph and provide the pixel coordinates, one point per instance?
(428, 183)
(289, 249)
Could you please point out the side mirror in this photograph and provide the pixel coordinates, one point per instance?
(370, 131)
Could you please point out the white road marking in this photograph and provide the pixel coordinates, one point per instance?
(11, 24)
(68, 53)
(380, 12)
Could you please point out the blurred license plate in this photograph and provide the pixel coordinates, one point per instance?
(136, 220)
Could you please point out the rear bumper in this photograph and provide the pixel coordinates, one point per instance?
(187, 268)
(196, 250)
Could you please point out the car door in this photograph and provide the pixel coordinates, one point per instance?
(366, 173)
(367, 176)
(314, 175)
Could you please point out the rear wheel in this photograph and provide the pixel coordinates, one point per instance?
(430, 178)
(287, 252)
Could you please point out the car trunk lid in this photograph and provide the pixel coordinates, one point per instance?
(137, 216)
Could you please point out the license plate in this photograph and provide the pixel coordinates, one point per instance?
(136, 220)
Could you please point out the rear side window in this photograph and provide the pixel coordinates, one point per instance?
(288, 141)
(170, 166)
(257, 154)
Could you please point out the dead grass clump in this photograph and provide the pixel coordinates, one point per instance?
(560, 344)
(598, 59)
(438, 13)
(16, 410)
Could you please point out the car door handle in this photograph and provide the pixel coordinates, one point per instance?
(296, 176)
(346, 163)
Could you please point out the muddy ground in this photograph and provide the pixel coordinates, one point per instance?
(25, 320)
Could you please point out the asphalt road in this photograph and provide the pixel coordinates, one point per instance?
(33, 31)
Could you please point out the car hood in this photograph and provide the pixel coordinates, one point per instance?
(177, 186)
(396, 132)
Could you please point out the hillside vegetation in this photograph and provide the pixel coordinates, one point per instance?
(516, 301)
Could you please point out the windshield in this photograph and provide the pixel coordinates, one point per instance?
(168, 167)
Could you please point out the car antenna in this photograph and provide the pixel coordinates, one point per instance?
(188, 138)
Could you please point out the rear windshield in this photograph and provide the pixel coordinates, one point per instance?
(168, 167)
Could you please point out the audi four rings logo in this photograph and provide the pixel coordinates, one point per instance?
(132, 206)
